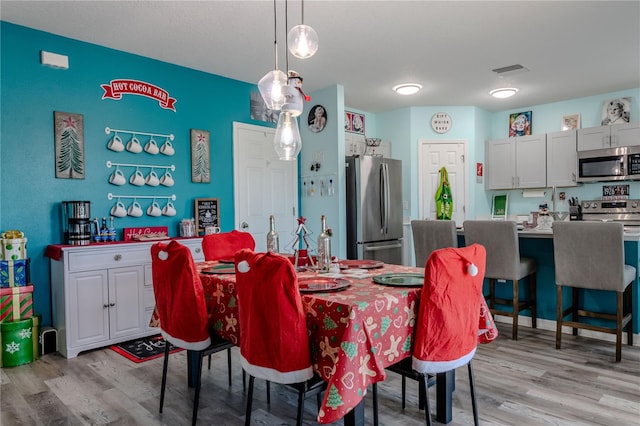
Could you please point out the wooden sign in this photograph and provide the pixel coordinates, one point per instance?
(207, 213)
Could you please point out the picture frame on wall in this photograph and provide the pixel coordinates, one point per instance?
(69, 145)
(616, 111)
(200, 156)
(355, 122)
(570, 122)
(520, 124)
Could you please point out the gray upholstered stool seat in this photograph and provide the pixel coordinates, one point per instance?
(430, 235)
(500, 239)
(590, 255)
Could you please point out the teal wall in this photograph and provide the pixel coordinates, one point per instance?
(29, 94)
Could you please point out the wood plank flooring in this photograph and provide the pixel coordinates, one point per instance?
(527, 382)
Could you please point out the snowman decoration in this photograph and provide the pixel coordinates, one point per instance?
(293, 95)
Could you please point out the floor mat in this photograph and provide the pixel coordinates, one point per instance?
(144, 349)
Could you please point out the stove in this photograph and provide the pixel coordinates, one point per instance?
(625, 211)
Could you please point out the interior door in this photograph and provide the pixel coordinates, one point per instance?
(263, 185)
(434, 154)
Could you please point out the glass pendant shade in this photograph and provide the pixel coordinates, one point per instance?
(302, 41)
(287, 141)
(270, 87)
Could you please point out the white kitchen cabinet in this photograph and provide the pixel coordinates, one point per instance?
(103, 294)
(626, 134)
(562, 159)
(518, 162)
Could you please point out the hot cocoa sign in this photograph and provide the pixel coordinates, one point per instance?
(116, 88)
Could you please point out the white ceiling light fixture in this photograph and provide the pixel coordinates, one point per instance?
(503, 92)
(270, 86)
(407, 88)
(302, 40)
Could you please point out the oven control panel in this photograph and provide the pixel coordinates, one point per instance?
(611, 206)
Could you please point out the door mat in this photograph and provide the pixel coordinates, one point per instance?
(144, 349)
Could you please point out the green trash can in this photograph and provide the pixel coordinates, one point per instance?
(16, 342)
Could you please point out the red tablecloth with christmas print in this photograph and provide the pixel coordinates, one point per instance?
(354, 333)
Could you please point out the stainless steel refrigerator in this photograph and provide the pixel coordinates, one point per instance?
(374, 208)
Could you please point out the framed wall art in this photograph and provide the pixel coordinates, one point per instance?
(520, 124)
(356, 122)
(259, 110)
(200, 156)
(69, 145)
(615, 111)
(207, 213)
(317, 118)
(571, 122)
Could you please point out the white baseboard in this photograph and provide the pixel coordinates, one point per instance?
(550, 325)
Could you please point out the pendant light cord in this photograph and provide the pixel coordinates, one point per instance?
(302, 12)
(286, 26)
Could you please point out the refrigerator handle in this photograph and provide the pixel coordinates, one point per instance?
(387, 198)
(383, 200)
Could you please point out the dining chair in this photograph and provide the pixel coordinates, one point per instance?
(430, 235)
(500, 239)
(182, 310)
(274, 344)
(449, 319)
(590, 256)
(222, 246)
(225, 244)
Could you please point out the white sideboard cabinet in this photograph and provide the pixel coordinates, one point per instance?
(103, 294)
(625, 134)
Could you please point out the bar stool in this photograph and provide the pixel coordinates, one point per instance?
(590, 256)
(500, 238)
(430, 235)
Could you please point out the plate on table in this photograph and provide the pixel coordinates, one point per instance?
(360, 264)
(400, 279)
(322, 284)
(231, 260)
(222, 268)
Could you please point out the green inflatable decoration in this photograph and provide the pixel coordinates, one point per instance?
(444, 199)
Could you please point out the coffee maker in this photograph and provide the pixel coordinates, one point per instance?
(76, 222)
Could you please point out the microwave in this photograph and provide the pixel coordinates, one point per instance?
(609, 164)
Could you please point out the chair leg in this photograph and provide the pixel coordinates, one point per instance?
(559, 313)
(516, 309)
(575, 297)
(472, 388)
(244, 379)
(196, 398)
(619, 315)
(404, 391)
(164, 374)
(534, 300)
(375, 404)
(427, 410)
(628, 310)
(492, 293)
(300, 407)
(209, 366)
(228, 363)
(247, 415)
(268, 392)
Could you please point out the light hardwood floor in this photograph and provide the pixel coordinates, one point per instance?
(527, 382)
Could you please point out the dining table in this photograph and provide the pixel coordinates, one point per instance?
(358, 326)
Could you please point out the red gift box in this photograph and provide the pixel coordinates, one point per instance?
(16, 303)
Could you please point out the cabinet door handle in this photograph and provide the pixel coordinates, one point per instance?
(573, 177)
(112, 304)
(105, 306)
(117, 257)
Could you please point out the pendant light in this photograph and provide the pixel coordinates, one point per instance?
(270, 86)
(302, 40)
(287, 141)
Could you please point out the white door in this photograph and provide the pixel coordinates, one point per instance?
(263, 185)
(433, 155)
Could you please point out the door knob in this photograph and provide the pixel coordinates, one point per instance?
(244, 225)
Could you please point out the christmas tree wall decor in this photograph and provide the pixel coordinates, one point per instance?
(69, 145)
(200, 157)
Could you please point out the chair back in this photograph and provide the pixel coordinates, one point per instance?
(449, 313)
(179, 296)
(430, 235)
(274, 344)
(225, 244)
(500, 239)
(591, 255)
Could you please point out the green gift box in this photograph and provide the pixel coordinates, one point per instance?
(16, 342)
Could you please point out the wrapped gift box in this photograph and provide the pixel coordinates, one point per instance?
(14, 273)
(13, 248)
(16, 303)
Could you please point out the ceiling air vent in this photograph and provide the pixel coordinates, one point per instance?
(510, 70)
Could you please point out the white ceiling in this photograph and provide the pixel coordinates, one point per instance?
(572, 48)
